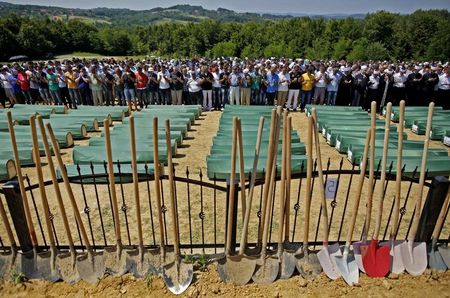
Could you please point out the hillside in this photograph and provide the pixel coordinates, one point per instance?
(127, 17)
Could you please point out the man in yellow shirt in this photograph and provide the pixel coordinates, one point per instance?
(71, 81)
(307, 81)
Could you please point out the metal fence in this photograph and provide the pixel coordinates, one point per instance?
(201, 208)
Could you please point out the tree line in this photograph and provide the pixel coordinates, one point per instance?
(422, 35)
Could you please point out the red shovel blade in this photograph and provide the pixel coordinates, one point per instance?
(376, 260)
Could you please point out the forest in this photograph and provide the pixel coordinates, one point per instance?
(422, 35)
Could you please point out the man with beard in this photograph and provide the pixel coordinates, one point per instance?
(413, 87)
(345, 88)
(294, 88)
(398, 88)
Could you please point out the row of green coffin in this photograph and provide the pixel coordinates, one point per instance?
(7, 169)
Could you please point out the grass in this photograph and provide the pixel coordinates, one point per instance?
(17, 277)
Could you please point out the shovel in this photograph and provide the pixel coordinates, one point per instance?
(376, 259)
(32, 263)
(396, 261)
(115, 260)
(346, 264)
(65, 262)
(90, 266)
(445, 254)
(357, 245)
(435, 256)
(142, 261)
(267, 268)
(414, 254)
(327, 253)
(177, 275)
(308, 264)
(239, 269)
(287, 259)
(52, 274)
(7, 259)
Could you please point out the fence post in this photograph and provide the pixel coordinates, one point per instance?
(433, 205)
(15, 206)
(235, 211)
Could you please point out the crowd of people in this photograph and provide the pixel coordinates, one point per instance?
(291, 83)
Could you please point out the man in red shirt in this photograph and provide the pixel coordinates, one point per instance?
(24, 83)
(141, 87)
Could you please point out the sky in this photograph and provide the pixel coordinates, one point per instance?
(271, 6)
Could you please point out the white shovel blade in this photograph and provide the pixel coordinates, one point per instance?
(414, 256)
(445, 253)
(348, 268)
(397, 266)
(358, 256)
(326, 258)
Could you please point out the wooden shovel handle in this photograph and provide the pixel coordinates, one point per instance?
(423, 170)
(288, 179)
(321, 180)
(381, 192)
(68, 187)
(441, 218)
(42, 192)
(7, 226)
(362, 175)
(55, 183)
(157, 185)
(283, 181)
(112, 181)
(232, 186)
(173, 211)
(267, 172)
(241, 167)
(398, 178)
(252, 186)
(23, 192)
(137, 201)
(373, 117)
(309, 169)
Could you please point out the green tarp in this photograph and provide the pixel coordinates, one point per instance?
(91, 125)
(7, 169)
(116, 113)
(25, 155)
(46, 109)
(64, 138)
(355, 154)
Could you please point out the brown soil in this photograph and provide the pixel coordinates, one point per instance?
(193, 155)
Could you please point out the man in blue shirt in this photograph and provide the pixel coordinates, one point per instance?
(271, 82)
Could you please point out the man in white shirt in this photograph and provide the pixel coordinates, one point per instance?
(374, 83)
(320, 85)
(164, 85)
(283, 86)
(443, 96)
(235, 81)
(332, 85)
(195, 91)
(4, 77)
(217, 89)
(398, 87)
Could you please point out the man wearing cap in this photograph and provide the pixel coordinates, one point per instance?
(152, 86)
(206, 80)
(245, 87)
(7, 87)
(255, 92)
(398, 87)
(217, 89)
(164, 85)
(176, 85)
(294, 87)
(320, 85)
(373, 85)
(333, 78)
(307, 82)
(283, 86)
(34, 83)
(413, 87)
(96, 86)
(235, 82)
(71, 77)
(443, 93)
(272, 80)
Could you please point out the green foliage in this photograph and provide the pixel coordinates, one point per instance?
(200, 262)
(17, 277)
(149, 280)
(381, 35)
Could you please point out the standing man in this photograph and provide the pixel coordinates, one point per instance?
(24, 83)
(195, 91)
(443, 93)
(71, 77)
(164, 85)
(141, 87)
(320, 85)
(235, 82)
(63, 90)
(53, 86)
(245, 87)
(255, 95)
(129, 80)
(332, 81)
(307, 81)
(225, 84)
(34, 84)
(152, 86)
(206, 80)
(177, 82)
(107, 86)
(294, 88)
(217, 90)
(7, 87)
(398, 88)
(96, 87)
(372, 92)
(272, 81)
(283, 86)
(83, 87)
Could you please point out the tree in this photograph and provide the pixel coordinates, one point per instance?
(224, 49)
(341, 48)
(320, 49)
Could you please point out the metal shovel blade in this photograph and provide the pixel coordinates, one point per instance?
(308, 264)
(66, 264)
(396, 261)
(46, 263)
(143, 263)
(91, 267)
(287, 264)
(115, 261)
(414, 256)
(7, 260)
(445, 254)
(267, 272)
(346, 264)
(36, 266)
(237, 270)
(178, 276)
(435, 260)
(377, 260)
(359, 249)
(326, 259)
